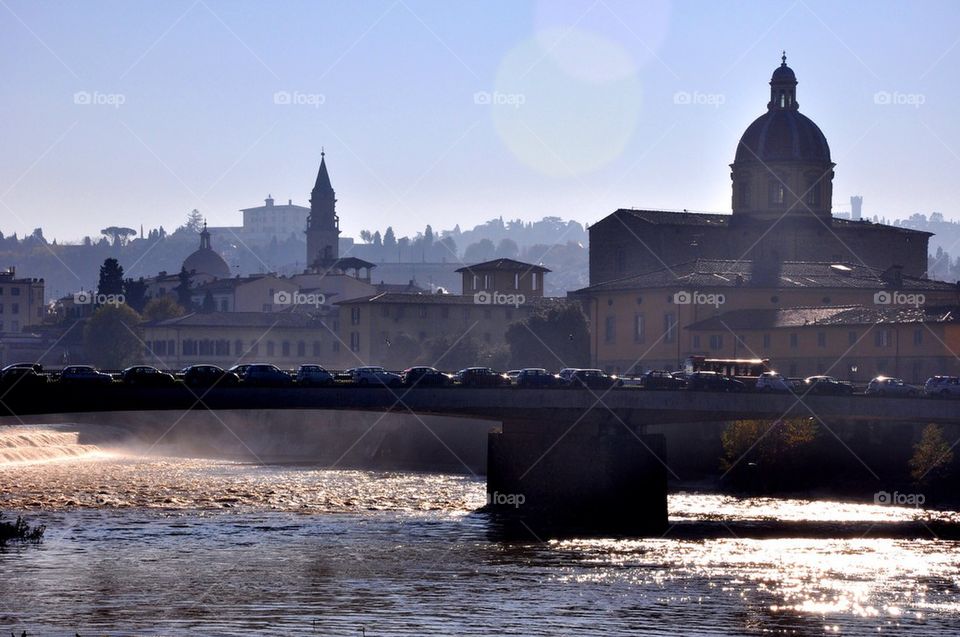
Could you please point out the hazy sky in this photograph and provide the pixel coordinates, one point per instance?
(129, 113)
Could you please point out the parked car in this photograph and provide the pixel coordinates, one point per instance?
(660, 379)
(774, 382)
(372, 375)
(511, 376)
(480, 377)
(886, 386)
(266, 375)
(146, 375)
(424, 377)
(826, 385)
(593, 379)
(942, 387)
(313, 376)
(712, 381)
(83, 375)
(565, 374)
(537, 377)
(22, 375)
(240, 369)
(208, 376)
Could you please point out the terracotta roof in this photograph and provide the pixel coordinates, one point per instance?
(503, 265)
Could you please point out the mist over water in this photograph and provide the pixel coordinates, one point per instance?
(152, 544)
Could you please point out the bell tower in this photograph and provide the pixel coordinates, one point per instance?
(323, 224)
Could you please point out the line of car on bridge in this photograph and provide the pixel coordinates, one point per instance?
(269, 375)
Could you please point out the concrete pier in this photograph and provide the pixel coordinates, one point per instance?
(589, 479)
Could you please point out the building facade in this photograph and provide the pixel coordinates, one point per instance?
(21, 302)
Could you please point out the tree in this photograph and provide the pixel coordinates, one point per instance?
(377, 241)
(555, 336)
(162, 309)
(508, 249)
(111, 278)
(932, 456)
(428, 236)
(480, 251)
(209, 305)
(764, 455)
(135, 293)
(194, 221)
(111, 337)
(183, 289)
(389, 239)
(366, 236)
(119, 235)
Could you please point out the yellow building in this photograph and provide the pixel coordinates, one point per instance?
(640, 322)
(854, 343)
(257, 293)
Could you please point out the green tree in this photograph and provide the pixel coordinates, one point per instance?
(162, 308)
(111, 278)
(135, 293)
(183, 289)
(194, 221)
(389, 239)
(111, 337)
(554, 336)
(932, 456)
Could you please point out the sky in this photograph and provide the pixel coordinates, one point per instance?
(129, 113)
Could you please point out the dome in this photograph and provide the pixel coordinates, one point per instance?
(783, 135)
(205, 259)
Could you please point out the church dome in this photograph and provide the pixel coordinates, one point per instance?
(205, 259)
(783, 133)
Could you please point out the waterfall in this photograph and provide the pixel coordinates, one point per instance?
(29, 443)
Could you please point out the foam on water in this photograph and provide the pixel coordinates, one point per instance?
(30, 444)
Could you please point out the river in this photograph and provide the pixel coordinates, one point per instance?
(151, 545)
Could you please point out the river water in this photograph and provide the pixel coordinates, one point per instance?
(167, 546)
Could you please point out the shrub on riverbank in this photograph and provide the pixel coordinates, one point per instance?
(19, 531)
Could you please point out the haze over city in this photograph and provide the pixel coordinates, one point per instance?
(187, 107)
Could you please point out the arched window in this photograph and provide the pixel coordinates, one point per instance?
(778, 193)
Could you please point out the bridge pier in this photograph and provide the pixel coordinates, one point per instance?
(596, 478)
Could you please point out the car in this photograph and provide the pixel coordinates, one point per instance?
(593, 379)
(537, 377)
(266, 375)
(240, 369)
(374, 375)
(208, 376)
(313, 376)
(480, 377)
(424, 377)
(146, 375)
(942, 387)
(774, 382)
(660, 379)
(826, 385)
(886, 386)
(712, 381)
(83, 375)
(511, 376)
(22, 375)
(565, 373)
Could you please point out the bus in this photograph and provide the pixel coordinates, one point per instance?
(746, 369)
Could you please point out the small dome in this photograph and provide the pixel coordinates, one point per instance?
(783, 135)
(783, 73)
(205, 259)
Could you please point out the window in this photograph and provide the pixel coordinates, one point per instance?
(918, 337)
(271, 348)
(316, 348)
(778, 193)
(610, 329)
(766, 341)
(354, 341)
(881, 338)
(238, 347)
(638, 328)
(669, 327)
(301, 348)
(794, 341)
(821, 339)
(716, 342)
(15, 291)
(221, 347)
(223, 305)
(852, 338)
(285, 348)
(487, 281)
(695, 343)
(354, 316)
(476, 281)
(516, 281)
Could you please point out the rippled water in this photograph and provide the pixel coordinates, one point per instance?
(161, 546)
